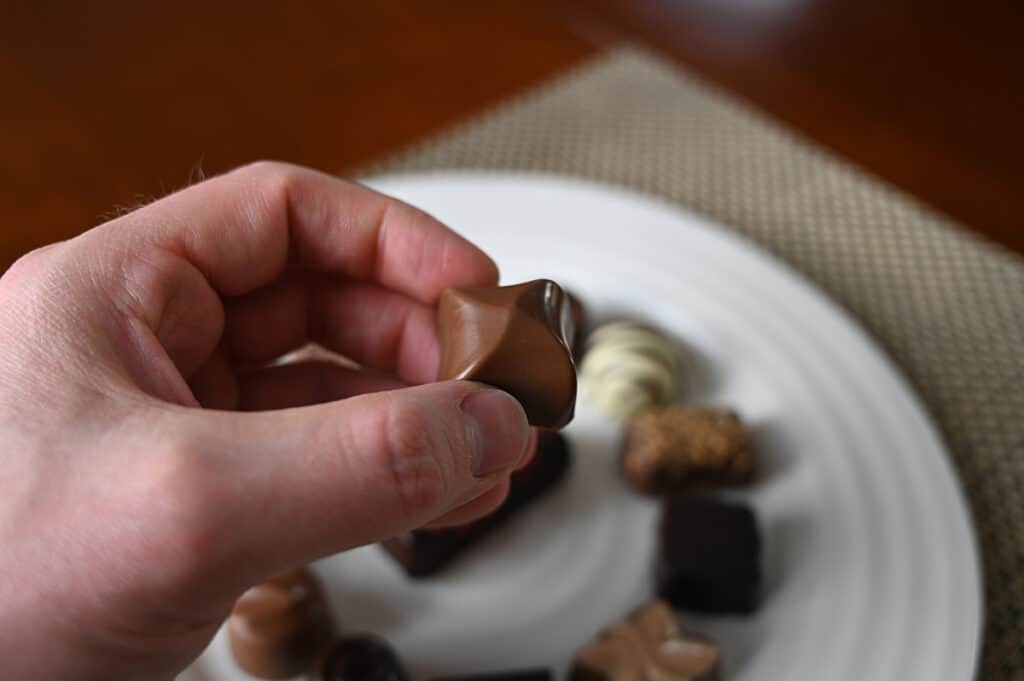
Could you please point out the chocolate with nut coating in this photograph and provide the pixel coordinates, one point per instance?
(672, 448)
(517, 338)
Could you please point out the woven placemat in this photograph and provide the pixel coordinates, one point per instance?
(947, 306)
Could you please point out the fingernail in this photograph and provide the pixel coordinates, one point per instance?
(496, 429)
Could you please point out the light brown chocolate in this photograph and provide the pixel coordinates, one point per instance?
(679, 446)
(277, 628)
(648, 646)
(517, 338)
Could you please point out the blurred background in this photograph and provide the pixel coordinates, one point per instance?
(108, 104)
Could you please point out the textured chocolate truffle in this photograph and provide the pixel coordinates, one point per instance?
(648, 646)
(360, 658)
(425, 552)
(277, 628)
(680, 446)
(709, 558)
(517, 338)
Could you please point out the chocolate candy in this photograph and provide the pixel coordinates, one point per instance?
(709, 556)
(578, 313)
(680, 446)
(359, 658)
(535, 674)
(424, 552)
(517, 338)
(648, 646)
(627, 368)
(277, 628)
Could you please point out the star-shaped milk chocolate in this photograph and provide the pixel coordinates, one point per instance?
(647, 646)
(517, 338)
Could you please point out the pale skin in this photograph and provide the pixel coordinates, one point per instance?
(155, 465)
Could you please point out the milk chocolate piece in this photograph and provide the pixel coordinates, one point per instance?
(709, 557)
(679, 446)
(425, 552)
(277, 628)
(517, 338)
(578, 314)
(359, 658)
(648, 646)
(535, 674)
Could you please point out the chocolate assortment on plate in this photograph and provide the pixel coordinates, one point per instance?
(524, 339)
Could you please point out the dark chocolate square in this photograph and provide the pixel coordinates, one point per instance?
(425, 552)
(709, 555)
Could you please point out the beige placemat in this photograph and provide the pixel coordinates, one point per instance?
(947, 306)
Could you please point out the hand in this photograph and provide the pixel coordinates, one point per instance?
(156, 464)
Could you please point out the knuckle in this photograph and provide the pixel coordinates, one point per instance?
(270, 176)
(418, 457)
(186, 498)
(31, 265)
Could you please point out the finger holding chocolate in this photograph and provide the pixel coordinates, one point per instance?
(425, 552)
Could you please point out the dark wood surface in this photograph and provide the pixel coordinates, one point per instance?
(108, 104)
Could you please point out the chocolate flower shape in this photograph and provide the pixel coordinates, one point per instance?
(648, 646)
(517, 338)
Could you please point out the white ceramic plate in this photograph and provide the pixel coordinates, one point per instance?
(870, 560)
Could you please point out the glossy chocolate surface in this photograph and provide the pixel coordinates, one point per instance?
(277, 628)
(425, 552)
(647, 646)
(709, 555)
(517, 338)
(360, 658)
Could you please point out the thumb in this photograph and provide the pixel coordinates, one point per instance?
(299, 484)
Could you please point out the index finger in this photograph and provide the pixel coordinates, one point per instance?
(240, 229)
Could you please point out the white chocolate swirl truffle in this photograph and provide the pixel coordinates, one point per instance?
(628, 367)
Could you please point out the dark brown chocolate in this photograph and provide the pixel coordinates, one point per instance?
(709, 555)
(675, 447)
(648, 646)
(579, 324)
(517, 338)
(277, 628)
(425, 552)
(359, 658)
(534, 674)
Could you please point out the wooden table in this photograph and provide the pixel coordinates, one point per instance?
(108, 104)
